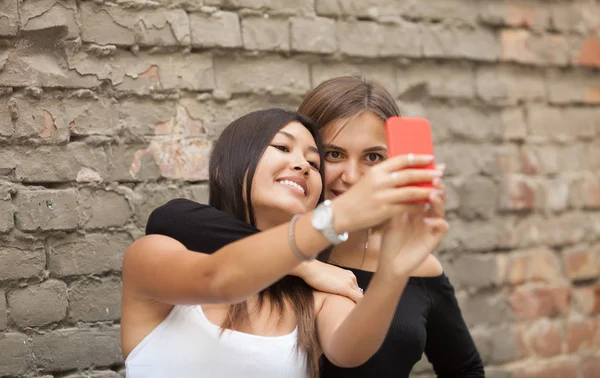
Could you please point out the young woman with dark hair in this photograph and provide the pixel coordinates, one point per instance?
(350, 113)
(235, 313)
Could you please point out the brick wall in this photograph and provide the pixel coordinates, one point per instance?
(108, 109)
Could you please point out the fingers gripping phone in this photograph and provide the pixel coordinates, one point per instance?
(410, 136)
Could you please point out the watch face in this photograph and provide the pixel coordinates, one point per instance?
(321, 218)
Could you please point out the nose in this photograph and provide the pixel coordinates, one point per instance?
(302, 167)
(352, 173)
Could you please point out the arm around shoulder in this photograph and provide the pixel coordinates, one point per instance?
(161, 268)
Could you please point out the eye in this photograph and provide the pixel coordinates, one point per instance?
(313, 164)
(374, 158)
(281, 147)
(333, 155)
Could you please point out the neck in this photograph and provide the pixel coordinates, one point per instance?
(354, 244)
(266, 220)
(353, 253)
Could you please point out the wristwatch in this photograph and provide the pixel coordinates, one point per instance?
(322, 220)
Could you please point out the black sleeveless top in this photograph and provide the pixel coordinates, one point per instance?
(427, 320)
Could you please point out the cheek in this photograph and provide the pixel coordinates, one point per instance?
(316, 187)
(333, 171)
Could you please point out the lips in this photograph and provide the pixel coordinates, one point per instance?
(296, 183)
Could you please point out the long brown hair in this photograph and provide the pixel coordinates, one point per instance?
(347, 96)
(234, 158)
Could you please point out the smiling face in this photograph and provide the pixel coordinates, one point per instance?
(352, 146)
(287, 179)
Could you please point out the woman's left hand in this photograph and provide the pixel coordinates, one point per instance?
(329, 279)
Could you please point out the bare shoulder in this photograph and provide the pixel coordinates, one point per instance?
(319, 298)
(332, 301)
(149, 245)
(431, 267)
(155, 242)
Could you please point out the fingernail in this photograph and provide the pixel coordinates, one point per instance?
(427, 157)
(441, 167)
(437, 181)
(435, 195)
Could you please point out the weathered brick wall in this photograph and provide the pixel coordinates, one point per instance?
(108, 109)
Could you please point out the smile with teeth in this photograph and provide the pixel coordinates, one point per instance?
(293, 185)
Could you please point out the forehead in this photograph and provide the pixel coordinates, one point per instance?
(365, 127)
(297, 131)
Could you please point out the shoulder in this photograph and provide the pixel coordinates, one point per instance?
(338, 303)
(431, 267)
(153, 243)
(178, 210)
(179, 205)
(319, 298)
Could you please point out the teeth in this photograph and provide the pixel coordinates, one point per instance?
(292, 184)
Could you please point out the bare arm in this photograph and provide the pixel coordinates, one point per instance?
(351, 333)
(161, 268)
(165, 270)
(350, 336)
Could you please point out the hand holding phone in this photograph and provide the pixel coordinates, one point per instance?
(410, 136)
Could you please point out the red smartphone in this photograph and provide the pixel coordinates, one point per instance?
(410, 136)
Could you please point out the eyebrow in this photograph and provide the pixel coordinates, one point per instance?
(371, 149)
(293, 138)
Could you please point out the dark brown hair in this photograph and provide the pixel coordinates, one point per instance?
(234, 159)
(346, 96)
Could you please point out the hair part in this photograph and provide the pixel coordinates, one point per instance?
(233, 163)
(345, 97)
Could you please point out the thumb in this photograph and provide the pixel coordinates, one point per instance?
(354, 294)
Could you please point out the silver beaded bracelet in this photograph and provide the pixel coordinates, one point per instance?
(293, 241)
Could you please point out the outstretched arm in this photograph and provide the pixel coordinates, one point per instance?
(240, 269)
(350, 336)
(203, 228)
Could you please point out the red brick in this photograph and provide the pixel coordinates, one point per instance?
(543, 338)
(518, 268)
(589, 53)
(586, 191)
(529, 303)
(529, 162)
(538, 264)
(591, 367)
(581, 263)
(587, 299)
(523, 47)
(560, 368)
(581, 334)
(592, 95)
(185, 160)
(520, 16)
(544, 266)
(515, 14)
(521, 193)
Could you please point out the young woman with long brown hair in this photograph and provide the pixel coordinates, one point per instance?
(233, 313)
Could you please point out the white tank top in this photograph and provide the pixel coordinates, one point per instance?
(187, 345)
